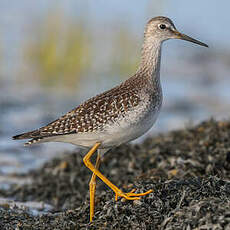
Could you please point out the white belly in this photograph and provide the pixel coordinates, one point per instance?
(128, 129)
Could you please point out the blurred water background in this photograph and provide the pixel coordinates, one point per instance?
(55, 54)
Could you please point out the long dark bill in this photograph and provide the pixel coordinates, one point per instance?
(187, 38)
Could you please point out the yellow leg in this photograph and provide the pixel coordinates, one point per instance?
(92, 188)
(118, 192)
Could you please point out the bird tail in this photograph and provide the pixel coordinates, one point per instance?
(33, 135)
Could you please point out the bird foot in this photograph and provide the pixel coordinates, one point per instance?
(131, 195)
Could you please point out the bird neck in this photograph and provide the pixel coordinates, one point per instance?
(150, 60)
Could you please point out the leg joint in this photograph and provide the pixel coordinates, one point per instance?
(86, 161)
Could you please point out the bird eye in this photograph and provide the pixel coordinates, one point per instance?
(162, 26)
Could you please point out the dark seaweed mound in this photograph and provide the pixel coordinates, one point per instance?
(189, 171)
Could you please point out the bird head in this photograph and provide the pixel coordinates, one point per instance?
(162, 28)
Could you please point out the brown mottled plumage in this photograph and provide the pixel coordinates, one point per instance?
(93, 114)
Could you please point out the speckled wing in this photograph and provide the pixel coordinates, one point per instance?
(90, 116)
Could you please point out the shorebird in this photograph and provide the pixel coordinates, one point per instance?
(118, 115)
